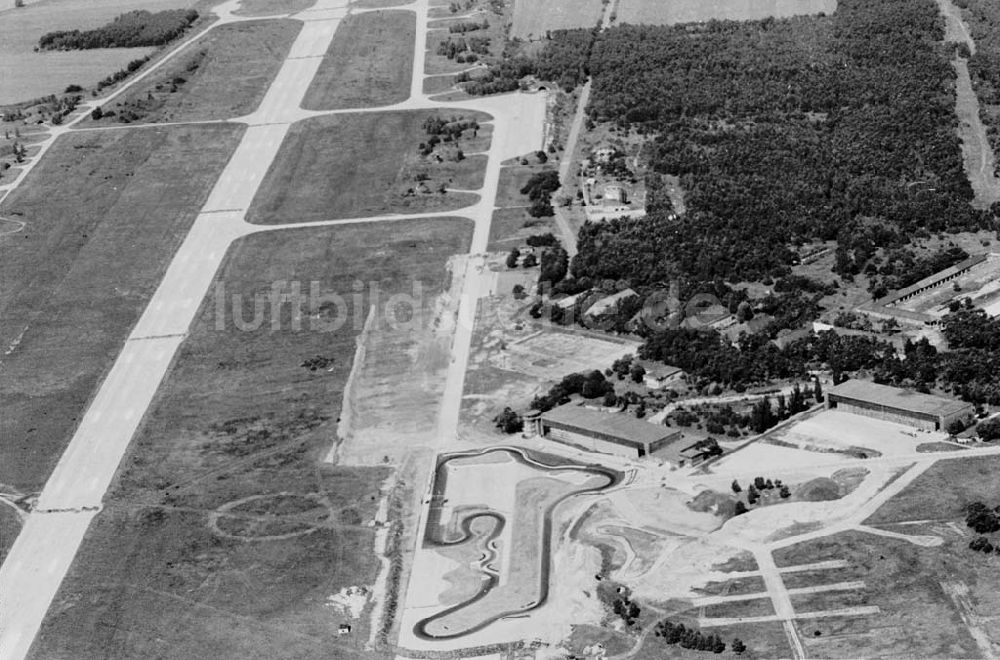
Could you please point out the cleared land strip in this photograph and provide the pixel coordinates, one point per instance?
(836, 586)
(863, 610)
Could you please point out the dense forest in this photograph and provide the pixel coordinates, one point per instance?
(969, 369)
(784, 132)
(133, 29)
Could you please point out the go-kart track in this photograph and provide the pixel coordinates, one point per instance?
(438, 626)
(44, 550)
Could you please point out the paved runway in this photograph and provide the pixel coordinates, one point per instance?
(44, 550)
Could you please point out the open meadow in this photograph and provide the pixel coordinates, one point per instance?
(658, 12)
(102, 214)
(360, 165)
(369, 63)
(225, 531)
(910, 586)
(225, 74)
(27, 75)
(533, 18)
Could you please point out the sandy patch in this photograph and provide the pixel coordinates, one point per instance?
(832, 430)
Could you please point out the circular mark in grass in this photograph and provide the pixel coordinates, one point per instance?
(271, 517)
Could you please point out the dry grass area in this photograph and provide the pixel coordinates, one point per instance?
(512, 226)
(657, 12)
(360, 165)
(917, 618)
(224, 75)
(10, 527)
(103, 214)
(239, 418)
(369, 63)
(533, 18)
(943, 491)
(27, 75)
(379, 4)
(272, 7)
(763, 640)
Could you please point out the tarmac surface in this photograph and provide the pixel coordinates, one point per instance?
(44, 550)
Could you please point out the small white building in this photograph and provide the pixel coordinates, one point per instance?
(659, 376)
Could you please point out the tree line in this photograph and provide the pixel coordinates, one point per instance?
(134, 29)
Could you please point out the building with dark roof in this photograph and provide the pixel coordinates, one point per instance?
(610, 433)
(887, 306)
(924, 411)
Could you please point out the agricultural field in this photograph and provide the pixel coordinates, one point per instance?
(226, 532)
(656, 12)
(223, 75)
(369, 63)
(102, 216)
(362, 165)
(533, 18)
(28, 75)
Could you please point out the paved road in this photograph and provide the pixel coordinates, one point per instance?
(44, 550)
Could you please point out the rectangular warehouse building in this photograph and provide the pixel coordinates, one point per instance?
(924, 411)
(610, 433)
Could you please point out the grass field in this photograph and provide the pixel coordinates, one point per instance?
(763, 640)
(943, 491)
(272, 7)
(362, 165)
(533, 18)
(657, 12)
(240, 417)
(27, 75)
(369, 63)
(104, 213)
(917, 617)
(224, 75)
(511, 222)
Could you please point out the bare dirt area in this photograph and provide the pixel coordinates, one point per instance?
(656, 12)
(349, 165)
(224, 506)
(514, 357)
(522, 498)
(102, 216)
(916, 616)
(223, 75)
(533, 18)
(844, 433)
(369, 63)
(382, 422)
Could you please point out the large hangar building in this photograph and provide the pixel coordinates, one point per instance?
(924, 411)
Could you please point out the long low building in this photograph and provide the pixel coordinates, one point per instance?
(924, 411)
(610, 433)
